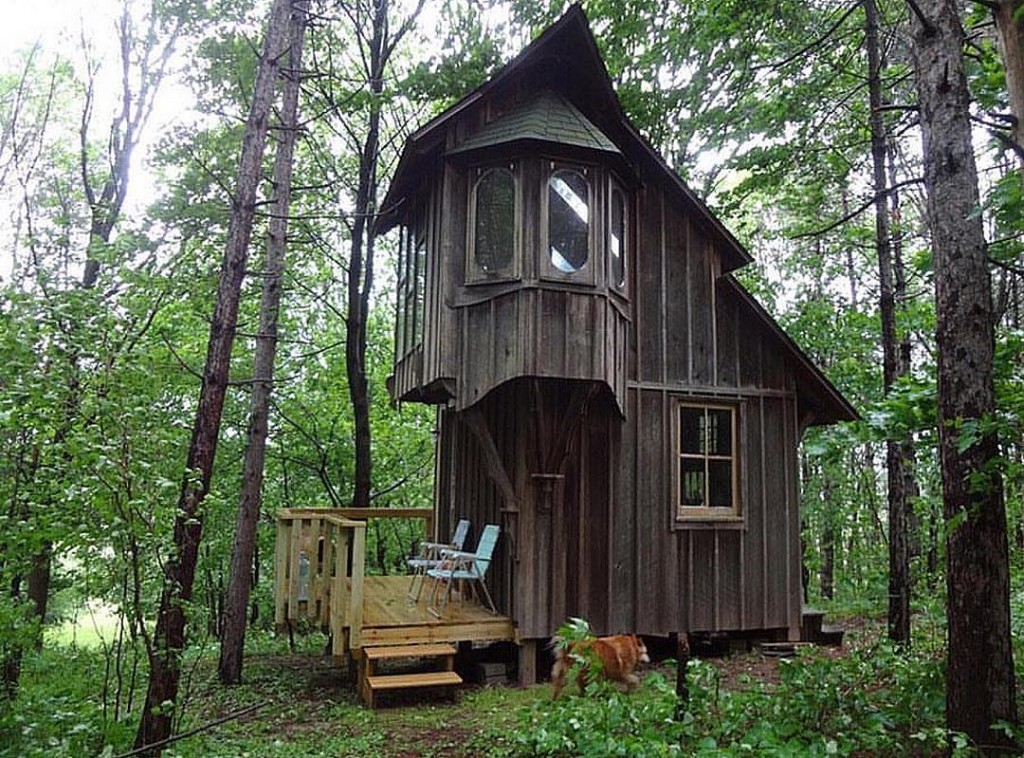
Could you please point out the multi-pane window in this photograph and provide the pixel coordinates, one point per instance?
(707, 475)
(411, 289)
(617, 237)
(493, 211)
(568, 221)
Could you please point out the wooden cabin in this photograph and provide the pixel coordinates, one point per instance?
(607, 392)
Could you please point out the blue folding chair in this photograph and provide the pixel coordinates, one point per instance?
(468, 569)
(429, 556)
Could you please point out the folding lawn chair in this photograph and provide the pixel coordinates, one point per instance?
(429, 556)
(468, 569)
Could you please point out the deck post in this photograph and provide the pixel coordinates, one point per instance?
(327, 606)
(281, 570)
(358, 563)
(527, 663)
(339, 592)
(313, 607)
(294, 554)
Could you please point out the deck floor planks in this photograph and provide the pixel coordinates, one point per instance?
(389, 617)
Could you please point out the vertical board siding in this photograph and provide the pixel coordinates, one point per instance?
(703, 568)
(656, 563)
(729, 597)
(649, 287)
(677, 260)
(622, 611)
(702, 313)
(792, 438)
(775, 494)
(754, 577)
(727, 338)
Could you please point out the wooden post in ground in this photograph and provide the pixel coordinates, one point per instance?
(527, 663)
(682, 660)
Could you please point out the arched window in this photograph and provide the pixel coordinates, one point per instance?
(617, 238)
(568, 221)
(494, 218)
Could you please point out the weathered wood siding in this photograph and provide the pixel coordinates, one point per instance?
(485, 334)
(694, 340)
(554, 556)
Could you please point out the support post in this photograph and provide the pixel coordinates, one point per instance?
(527, 663)
(682, 661)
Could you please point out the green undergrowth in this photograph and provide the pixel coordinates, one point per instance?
(876, 702)
(870, 701)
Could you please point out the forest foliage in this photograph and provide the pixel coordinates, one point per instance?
(116, 162)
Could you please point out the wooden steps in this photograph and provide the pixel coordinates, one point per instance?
(781, 649)
(408, 681)
(371, 682)
(813, 629)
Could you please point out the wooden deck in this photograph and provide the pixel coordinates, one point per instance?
(390, 618)
(320, 580)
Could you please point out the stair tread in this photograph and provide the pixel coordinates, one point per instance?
(408, 651)
(426, 679)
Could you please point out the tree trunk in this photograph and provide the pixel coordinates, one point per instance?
(243, 548)
(828, 536)
(360, 269)
(980, 688)
(179, 574)
(1009, 16)
(899, 554)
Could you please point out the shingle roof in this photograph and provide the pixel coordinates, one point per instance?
(549, 117)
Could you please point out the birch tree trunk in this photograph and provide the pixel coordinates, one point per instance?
(980, 688)
(243, 547)
(179, 574)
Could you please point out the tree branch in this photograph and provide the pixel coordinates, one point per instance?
(858, 210)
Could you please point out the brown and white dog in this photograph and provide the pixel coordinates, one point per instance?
(619, 656)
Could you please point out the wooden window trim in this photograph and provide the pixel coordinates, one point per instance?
(411, 286)
(694, 516)
(627, 240)
(475, 275)
(585, 274)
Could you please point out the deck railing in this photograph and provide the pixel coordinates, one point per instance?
(319, 563)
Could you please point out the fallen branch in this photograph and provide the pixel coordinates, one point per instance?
(192, 732)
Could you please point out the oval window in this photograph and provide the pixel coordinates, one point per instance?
(568, 221)
(494, 232)
(617, 238)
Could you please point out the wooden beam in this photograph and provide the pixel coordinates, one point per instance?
(582, 395)
(359, 514)
(477, 424)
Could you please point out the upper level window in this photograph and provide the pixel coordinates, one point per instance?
(707, 478)
(617, 238)
(493, 225)
(411, 288)
(568, 221)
